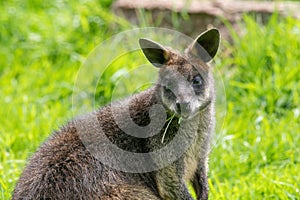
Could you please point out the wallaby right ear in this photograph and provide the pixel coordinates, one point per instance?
(206, 45)
(154, 52)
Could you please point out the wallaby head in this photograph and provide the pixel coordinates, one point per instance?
(185, 81)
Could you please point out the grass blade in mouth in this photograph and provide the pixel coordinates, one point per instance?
(179, 120)
(166, 129)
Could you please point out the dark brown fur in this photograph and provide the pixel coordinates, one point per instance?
(63, 167)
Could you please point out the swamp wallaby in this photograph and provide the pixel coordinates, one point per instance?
(70, 164)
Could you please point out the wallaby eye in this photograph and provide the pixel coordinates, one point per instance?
(197, 84)
(197, 81)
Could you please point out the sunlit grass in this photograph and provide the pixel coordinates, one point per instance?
(259, 155)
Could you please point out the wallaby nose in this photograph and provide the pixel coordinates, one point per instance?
(182, 107)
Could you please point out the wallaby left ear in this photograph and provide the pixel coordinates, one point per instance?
(206, 45)
(154, 52)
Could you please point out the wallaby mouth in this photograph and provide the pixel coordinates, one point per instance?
(183, 109)
(185, 112)
(184, 115)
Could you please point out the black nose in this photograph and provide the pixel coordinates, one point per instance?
(182, 107)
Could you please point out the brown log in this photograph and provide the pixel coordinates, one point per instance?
(216, 8)
(204, 13)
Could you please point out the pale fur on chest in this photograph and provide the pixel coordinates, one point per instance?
(191, 160)
(196, 153)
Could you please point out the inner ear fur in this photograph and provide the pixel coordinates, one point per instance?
(154, 52)
(206, 45)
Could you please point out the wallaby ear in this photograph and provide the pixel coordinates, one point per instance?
(206, 45)
(154, 52)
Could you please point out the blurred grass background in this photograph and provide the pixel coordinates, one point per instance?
(43, 44)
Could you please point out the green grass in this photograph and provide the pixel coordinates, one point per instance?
(42, 46)
(259, 154)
